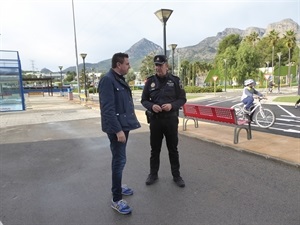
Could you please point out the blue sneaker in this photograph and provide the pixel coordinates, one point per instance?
(121, 206)
(126, 190)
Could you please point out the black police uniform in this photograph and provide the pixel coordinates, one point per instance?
(161, 91)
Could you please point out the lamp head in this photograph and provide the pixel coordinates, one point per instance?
(83, 55)
(172, 46)
(163, 14)
(279, 54)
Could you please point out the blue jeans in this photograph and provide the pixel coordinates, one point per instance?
(248, 101)
(118, 151)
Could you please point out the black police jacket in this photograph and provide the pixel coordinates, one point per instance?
(162, 91)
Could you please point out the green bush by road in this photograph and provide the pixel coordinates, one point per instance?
(291, 99)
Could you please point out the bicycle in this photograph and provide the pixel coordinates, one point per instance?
(263, 117)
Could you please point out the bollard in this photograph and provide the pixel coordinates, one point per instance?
(70, 94)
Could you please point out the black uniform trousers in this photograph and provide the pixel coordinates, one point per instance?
(160, 127)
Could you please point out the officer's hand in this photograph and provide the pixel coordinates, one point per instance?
(121, 136)
(156, 108)
(166, 107)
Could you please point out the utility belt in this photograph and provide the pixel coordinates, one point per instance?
(150, 115)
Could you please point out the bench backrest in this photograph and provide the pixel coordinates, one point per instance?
(215, 113)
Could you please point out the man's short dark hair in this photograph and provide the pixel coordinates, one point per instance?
(118, 58)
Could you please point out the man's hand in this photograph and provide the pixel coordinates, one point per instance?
(121, 136)
(156, 108)
(166, 107)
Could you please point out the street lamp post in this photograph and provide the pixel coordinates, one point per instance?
(172, 47)
(279, 56)
(225, 61)
(299, 69)
(83, 55)
(61, 81)
(267, 76)
(268, 66)
(51, 85)
(215, 79)
(93, 77)
(163, 15)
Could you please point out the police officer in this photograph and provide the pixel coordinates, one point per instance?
(162, 96)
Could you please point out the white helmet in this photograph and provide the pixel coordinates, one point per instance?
(249, 81)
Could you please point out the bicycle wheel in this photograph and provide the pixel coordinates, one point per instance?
(264, 118)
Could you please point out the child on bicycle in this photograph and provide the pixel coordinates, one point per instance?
(248, 92)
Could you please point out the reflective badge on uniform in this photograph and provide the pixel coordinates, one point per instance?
(170, 83)
(152, 84)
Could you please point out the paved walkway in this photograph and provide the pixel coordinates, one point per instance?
(41, 110)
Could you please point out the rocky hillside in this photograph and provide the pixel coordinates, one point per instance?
(205, 50)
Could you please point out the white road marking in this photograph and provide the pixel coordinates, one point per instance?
(286, 120)
(213, 103)
(286, 111)
(285, 130)
(288, 125)
(294, 117)
(292, 131)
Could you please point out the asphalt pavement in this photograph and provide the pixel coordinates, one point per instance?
(55, 169)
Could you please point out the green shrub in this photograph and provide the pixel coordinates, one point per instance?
(91, 90)
(132, 87)
(196, 89)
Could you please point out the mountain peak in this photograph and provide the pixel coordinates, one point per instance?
(284, 25)
(143, 48)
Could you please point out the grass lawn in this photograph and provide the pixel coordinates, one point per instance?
(191, 96)
(291, 99)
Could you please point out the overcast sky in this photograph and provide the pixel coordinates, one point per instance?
(42, 30)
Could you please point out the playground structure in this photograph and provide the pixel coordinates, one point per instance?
(11, 90)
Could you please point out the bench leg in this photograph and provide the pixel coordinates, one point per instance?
(249, 133)
(184, 123)
(185, 120)
(237, 131)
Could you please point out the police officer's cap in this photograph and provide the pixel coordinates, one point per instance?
(160, 59)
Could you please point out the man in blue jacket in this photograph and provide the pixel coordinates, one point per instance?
(117, 119)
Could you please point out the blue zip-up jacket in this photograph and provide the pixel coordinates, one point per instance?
(116, 104)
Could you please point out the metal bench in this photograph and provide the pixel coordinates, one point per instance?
(197, 112)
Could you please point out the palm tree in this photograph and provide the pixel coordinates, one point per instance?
(290, 41)
(273, 38)
(252, 38)
(185, 68)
